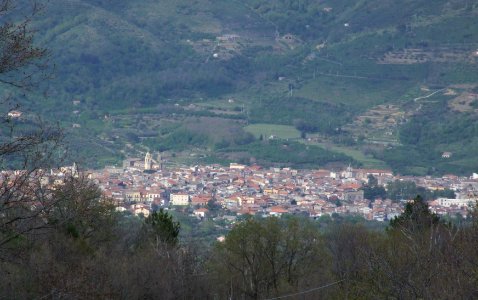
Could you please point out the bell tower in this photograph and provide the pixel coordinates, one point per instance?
(148, 161)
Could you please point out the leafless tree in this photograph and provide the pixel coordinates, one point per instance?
(21, 61)
(27, 144)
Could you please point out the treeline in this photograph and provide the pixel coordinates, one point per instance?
(294, 154)
(81, 248)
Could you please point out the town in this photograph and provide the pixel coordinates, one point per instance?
(144, 185)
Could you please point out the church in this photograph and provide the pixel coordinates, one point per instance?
(147, 164)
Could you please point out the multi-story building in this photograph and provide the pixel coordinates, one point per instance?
(179, 199)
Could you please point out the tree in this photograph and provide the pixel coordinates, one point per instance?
(213, 206)
(418, 258)
(350, 246)
(163, 227)
(372, 190)
(401, 190)
(417, 216)
(20, 60)
(262, 258)
(23, 199)
(371, 180)
(80, 211)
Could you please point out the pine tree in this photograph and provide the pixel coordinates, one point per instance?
(163, 226)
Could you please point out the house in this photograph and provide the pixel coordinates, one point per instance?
(446, 154)
(235, 166)
(277, 211)
(464, 202)
(150, 196)
(133, 196)
(290, 38)
(351, 196)
(120, 209)
(228, 38)
(15, 114)
(139, 209)
(200, 200)
(179, 199)
(200, 212)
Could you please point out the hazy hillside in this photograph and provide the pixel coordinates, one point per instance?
(144, 70)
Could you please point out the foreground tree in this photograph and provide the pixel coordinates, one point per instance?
(418, 258)
(28, 147)
(21, 62)
(263, 258)
(416, 217)
(161, 226)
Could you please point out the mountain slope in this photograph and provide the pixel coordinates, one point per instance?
(313, 65)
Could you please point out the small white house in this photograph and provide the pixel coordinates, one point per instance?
(15, 114)
(200, 212)
(446, 155)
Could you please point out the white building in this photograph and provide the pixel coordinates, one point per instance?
(235, 166)
(348, 173)
(179, 199)
(15, 114)
(466, 202)
(140, 209)
(152, 195)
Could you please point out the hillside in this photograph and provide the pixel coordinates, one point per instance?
(144, 74)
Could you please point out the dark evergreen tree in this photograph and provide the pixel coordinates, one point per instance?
(417, 216)
(163, 226)
(372, 190)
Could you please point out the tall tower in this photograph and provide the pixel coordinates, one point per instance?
(348, 173)
(74, 170)
(148, 161)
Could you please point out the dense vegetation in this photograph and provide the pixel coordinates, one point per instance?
(291, 154)
(87, 250)
(430, 133)
(121, 67)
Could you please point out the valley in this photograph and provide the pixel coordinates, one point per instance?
(206, 79)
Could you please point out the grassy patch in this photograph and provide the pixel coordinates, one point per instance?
(280, 131)
(367, 161)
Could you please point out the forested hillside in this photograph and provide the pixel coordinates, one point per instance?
(141, 72)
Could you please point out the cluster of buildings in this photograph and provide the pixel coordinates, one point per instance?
(141, 186)
(144, 185)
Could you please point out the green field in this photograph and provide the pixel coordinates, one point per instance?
(367, 161)
(280, 131)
